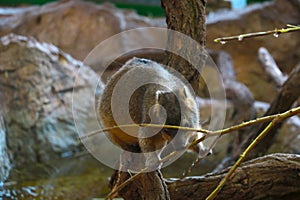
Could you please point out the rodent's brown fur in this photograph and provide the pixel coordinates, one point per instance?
(177, 100)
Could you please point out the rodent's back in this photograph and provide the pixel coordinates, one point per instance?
(135, 72)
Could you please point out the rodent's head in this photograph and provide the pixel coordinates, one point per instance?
(179, 108)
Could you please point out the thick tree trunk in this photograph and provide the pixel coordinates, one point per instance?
(150, 185)
(274, 176)
(146, 186)
(187, 17)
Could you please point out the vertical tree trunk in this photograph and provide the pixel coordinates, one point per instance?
(187, 17)
(150, 185)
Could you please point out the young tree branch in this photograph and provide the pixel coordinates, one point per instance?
(276, 32)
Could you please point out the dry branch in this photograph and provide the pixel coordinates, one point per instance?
(251, 146)
(270, 67)
(276, 32)
(288, 94)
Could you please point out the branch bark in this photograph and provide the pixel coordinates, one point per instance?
(274, 176)
(146, 186)
(187, 17)
(270, 67)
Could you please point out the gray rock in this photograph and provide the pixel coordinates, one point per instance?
(38, 91)
(76, 27)
(5, 164)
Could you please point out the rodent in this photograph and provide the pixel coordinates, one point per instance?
(150, 103)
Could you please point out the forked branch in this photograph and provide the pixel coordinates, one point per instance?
(277, 119)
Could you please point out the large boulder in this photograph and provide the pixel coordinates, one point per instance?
(37, 84)
(76, 27)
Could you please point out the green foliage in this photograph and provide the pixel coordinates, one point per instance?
(142, 9)
(23, 2)
(146, 10)
(255, 1)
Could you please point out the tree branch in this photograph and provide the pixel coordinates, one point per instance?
(274, 176)
(251, 146)
(270, 67)
(288, 94)
(276, 32)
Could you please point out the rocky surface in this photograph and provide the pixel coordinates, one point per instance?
(5, 164)
(77, 27)
(214, 5)
(37, 84)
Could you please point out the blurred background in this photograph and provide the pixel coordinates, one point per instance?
(43, 43)
(142, 7)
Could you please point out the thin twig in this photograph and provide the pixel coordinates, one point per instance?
(208, 132)
(243, 125)
(290, 25)
(142, 125)
(280, 117)
(276, 32)
(107, 129)
(198, 160)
